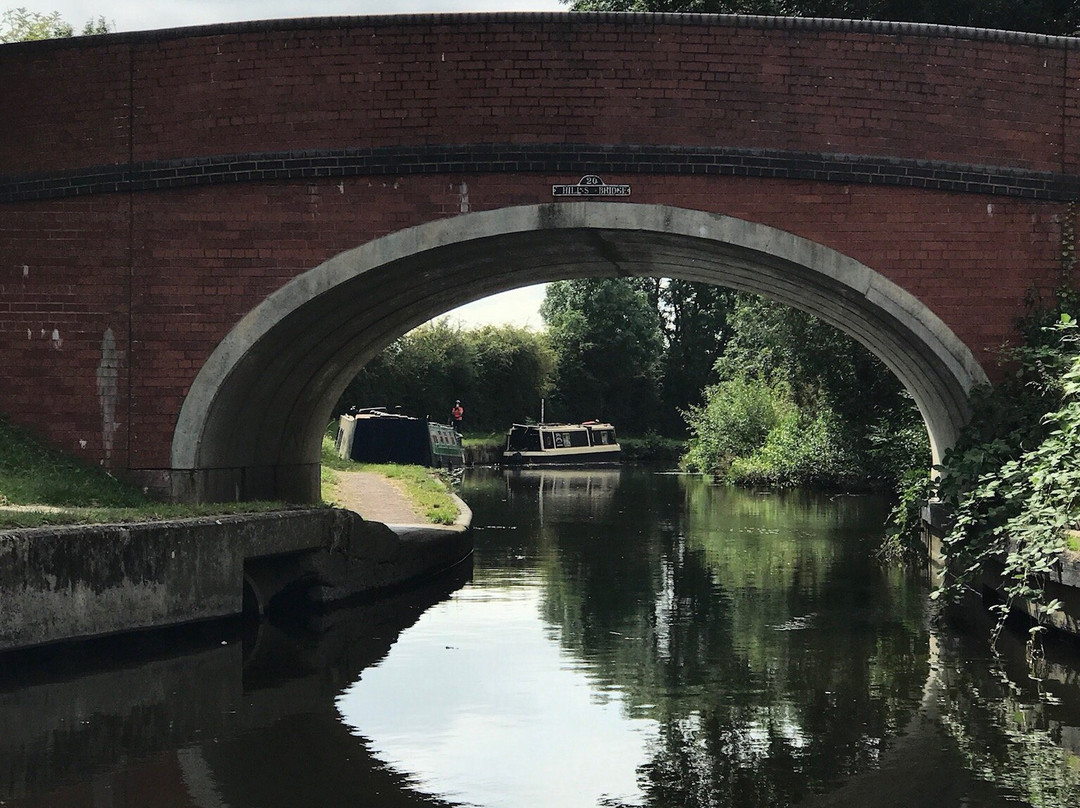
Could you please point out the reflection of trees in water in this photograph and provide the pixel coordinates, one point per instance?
(753, 630)
(1022, 735)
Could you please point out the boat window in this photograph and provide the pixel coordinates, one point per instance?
(568, 439)
(603, 437)
(548, 444)
(523, 439)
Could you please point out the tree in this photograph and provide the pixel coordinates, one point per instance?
(21, 25)
(608, 344)
(865, 424)
(422, 372)
(500, 373)
(1061, 17)
(695, 322)
(513, 370)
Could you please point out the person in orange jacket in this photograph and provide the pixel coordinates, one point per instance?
(457, 412)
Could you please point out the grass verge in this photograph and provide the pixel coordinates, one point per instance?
(20, 516)
(32, 473)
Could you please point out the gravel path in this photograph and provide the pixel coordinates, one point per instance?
(377, 498)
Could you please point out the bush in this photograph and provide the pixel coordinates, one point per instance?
(735, 421)
(801, 450)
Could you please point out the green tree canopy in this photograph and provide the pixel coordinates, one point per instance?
(1060, 17)
(607, 338)
(500, 373)
(22, 25)
(695, 322)
(866, 424)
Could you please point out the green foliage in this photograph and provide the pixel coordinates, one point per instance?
(500, 373)
(513, 369)
(96, 25)
(607, 340)
(652, 448)
(904, 529)
(735, 421)
(1038, 16)
(694, 319)
(803, 404)
(803, 449)
(821, 365)
(1017, 493)
(21, 25)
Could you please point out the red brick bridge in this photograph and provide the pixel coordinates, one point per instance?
(206, 232)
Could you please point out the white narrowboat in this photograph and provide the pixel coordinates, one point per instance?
(589, 443)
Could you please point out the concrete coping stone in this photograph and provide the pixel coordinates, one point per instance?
(191, 521)
(628, 19)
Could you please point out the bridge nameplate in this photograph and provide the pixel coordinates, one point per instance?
(590, 185)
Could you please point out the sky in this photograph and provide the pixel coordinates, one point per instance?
(517, 307)
(139, 15)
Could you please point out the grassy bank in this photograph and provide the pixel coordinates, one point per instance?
(42, 486)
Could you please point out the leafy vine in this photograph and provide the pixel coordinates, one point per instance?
(1017, 495)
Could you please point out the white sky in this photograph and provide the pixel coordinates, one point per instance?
(139, 15)
(517, 307)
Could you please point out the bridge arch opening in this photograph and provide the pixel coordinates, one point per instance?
(251, 425)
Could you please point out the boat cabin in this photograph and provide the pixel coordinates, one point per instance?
(374, 435)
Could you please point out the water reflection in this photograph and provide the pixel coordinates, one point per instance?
(624, 639)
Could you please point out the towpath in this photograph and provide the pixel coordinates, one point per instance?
(377, 498)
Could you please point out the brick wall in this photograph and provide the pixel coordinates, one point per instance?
(158, 186)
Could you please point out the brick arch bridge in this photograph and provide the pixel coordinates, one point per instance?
(205, 232)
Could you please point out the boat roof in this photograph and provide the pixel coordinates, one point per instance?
(557, 425)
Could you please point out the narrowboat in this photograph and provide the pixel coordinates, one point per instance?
(589, 443)
(374, 435)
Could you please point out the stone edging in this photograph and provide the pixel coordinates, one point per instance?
(649, 19)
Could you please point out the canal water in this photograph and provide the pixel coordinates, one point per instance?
(622, 638)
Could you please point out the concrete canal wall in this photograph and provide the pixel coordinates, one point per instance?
(1063, 582)
(62, 583)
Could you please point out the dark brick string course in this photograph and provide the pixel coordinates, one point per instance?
(548, 159)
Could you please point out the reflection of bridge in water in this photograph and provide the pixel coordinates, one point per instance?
(257, 721)
(196, 725)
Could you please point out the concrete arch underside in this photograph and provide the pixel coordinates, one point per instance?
(251, 425)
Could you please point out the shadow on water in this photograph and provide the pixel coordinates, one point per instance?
(220, 714)
(624, 638)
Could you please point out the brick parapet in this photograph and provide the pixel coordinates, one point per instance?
(544, 18)
(823, 87)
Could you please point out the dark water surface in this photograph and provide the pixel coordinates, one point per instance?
(623, 638)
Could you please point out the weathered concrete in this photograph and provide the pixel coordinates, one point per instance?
(63, 583)
(1063, 583)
